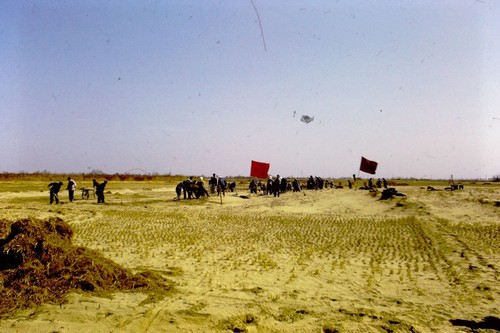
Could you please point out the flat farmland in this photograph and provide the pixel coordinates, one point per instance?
(331, 260)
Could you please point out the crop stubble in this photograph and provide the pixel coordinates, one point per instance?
(407, 270)
(403, 261)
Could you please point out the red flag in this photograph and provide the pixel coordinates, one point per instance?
(259, 169)
(368, 166)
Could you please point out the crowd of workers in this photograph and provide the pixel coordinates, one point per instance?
(195, 188)
(191, 188)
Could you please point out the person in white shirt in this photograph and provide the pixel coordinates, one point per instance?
(71, 188)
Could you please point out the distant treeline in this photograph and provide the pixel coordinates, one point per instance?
(82, 176)
(45, 175)
(495, 178)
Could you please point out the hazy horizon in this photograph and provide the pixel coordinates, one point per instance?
(206, 176)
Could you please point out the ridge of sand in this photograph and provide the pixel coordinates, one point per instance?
(327, 261)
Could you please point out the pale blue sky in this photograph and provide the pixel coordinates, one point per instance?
(187, 87)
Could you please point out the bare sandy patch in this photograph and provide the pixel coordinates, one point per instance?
(330, 260)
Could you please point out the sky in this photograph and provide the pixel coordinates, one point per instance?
(201, 87)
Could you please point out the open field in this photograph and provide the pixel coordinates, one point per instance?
(332, 260)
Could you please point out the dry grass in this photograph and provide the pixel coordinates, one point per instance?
(39, 264)
(331, 260)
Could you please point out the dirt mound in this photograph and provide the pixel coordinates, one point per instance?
(39, 264)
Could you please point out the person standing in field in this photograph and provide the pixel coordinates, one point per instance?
(212, 183)
(71, 188)
(99, 190)
(269, 188)
(252, 187)
(54, 191)
(276, 186)
(221, 186)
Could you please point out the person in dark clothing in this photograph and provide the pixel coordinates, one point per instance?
(212, 183)
(178, 190)
(269, 188)
(187, 188)
(311, 184)
(283, 185)
(71, 188)
(54, 190)
(99, 190)
(253, 187)
(221, 188)
(276, 186)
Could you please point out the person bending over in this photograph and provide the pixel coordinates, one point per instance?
(54, 191)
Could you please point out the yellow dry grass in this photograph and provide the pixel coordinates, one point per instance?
(334, 260)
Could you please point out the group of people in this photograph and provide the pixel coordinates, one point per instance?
(274, 186)
(194, 189)
(282, 185)
(371, 185)
(191, 188)
(55, 187)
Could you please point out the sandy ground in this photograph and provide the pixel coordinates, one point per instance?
(334, 260)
